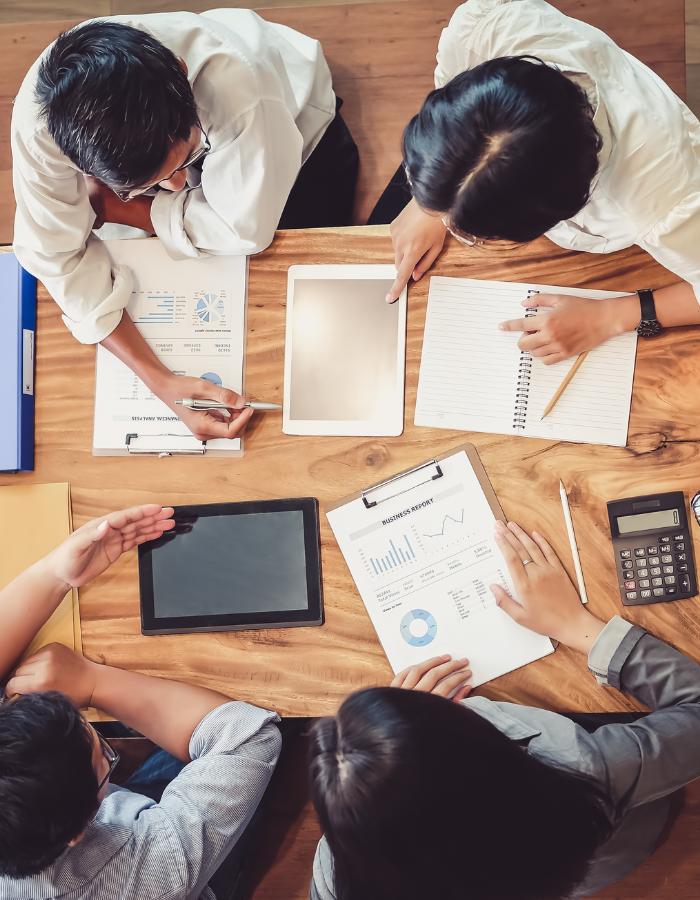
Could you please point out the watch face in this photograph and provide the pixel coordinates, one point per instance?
(648, 327)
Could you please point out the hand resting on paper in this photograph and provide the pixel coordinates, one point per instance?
(206, 424)
(549, 603)
(440, 675)
(574, 325)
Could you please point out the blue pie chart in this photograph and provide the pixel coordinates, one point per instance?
(426, 636)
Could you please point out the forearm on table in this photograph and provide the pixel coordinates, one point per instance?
(675, 305)
(166, 712)
(26, 603)
(136, 212)
(128, 344)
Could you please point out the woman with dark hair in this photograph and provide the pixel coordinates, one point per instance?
(424, 797)
(540, 124)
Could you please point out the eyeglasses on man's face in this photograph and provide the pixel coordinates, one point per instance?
(112, 758)
(194, 157)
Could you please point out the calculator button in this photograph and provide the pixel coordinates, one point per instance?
(640, 551)
(671, 590)
(680, 546)
(625, 554)
(681, 557)
(684, 583)
(630, 585)
(642, 573)
(644, 583)
(626, 563)
(645, 595)
(657, 582)
(658, 592)
(653, 560)
(670, 579)
(667, 558)
(665, 548)
(681, 568)
(652, 550)
(641, 562)
(668, 570)
(678, 537)
(631, 595)
(664, 540)
(656, 570)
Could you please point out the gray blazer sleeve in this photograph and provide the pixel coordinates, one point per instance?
(658, 754)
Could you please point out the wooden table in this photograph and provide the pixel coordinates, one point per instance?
(308, 671)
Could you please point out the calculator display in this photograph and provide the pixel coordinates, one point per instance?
(646, 521)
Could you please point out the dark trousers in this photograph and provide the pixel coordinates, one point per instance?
(396, 196)
(229, 882)
(324, 192)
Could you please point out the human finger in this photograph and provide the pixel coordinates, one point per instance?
(549, 359)
(546, 549)
(516, 325)
(531, 548)
(514, 541)
(452, 682)
(431, 679)
(506, 602)
(462, 693)
(403, 274)
(536, 300)
(426, 261)
(532, 341)
(205, 427)
(409, 677)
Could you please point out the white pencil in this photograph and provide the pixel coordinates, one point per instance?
(572, 541)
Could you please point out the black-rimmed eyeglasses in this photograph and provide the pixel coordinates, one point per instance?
(194, 157)
(112, 758)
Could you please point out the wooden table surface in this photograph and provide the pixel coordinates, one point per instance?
(308, 671)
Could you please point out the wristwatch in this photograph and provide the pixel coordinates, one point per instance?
(649, 325)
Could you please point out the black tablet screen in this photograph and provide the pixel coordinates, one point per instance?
(222, 565)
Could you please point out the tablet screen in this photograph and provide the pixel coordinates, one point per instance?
(233, 566)
(345, 339)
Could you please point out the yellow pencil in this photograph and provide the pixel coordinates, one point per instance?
(565, 383)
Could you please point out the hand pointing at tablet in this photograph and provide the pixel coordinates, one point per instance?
(418, 237)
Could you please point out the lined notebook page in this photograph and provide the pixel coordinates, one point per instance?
(469, 369)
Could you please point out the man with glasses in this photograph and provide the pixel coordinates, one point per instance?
(64, 829)
(209, 130)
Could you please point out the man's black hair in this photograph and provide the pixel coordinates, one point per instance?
(48, 787)
(115, 100)
(505, 150)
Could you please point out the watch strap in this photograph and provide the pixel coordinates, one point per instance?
(646, 301)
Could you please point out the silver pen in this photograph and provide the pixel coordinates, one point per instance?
(213, 404)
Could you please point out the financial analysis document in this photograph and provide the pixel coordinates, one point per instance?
(423, 562)
(192, 314)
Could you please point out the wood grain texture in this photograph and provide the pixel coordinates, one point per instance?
(308, 671)
(382, 57)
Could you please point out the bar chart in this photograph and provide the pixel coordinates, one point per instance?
(397, 554)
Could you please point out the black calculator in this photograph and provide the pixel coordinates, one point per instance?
(653, 549)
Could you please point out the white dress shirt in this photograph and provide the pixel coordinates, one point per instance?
(647, 190)
(265, 99)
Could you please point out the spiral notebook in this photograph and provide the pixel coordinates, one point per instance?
(474, 377)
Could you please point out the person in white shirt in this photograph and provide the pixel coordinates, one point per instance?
(208, 130)
(541, 124)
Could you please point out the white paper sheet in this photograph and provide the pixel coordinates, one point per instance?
(423, 562)
(470, 373)
(192, 314)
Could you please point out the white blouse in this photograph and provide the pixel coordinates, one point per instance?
(265, 99)
(647, 190)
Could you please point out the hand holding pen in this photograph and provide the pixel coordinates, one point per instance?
(190, 403)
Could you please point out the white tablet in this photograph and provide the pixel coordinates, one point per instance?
(345, 352)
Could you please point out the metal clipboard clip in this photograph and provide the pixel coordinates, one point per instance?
(413, 475)
(165, 445)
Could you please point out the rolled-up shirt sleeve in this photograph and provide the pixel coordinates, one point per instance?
(54, 241)
(246, 180)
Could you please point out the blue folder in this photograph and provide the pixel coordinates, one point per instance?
(17, 332)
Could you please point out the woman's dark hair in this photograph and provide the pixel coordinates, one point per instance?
(505, 150)
(115, 100)
(48, 787)
(421, 798)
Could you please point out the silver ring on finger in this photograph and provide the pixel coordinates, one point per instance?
(526, 561)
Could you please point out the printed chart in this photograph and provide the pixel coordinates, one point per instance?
(158, 312)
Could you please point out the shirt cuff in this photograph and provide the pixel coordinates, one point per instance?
(100, 322)
(611, 649)
(227, 727)
(167, 217)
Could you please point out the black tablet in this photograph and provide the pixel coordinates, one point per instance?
(234, 567)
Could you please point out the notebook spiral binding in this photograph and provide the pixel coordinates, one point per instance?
(524, 374)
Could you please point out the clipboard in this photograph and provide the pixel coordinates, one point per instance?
(406, 481)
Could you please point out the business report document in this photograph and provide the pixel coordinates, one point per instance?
(423, 562)
(474, 377)
(192, 314)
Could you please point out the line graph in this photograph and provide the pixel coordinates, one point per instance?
(448, 517)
